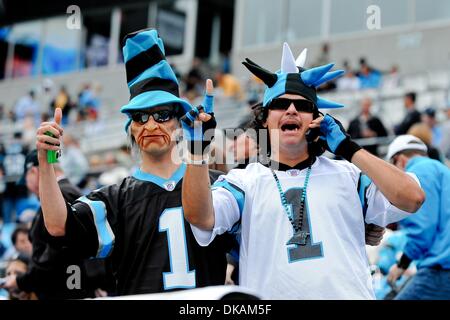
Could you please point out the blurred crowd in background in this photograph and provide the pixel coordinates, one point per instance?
(19, 202)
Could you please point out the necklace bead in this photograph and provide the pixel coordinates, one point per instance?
(296, 223)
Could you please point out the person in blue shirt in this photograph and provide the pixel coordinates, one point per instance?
(368, 77)
(427, 231)
(391, 249)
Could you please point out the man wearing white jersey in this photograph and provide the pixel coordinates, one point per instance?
(300, 219)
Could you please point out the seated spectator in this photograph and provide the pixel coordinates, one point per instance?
(21, 243)
(254, 90)
(445, 143)
(194, 78)
(324, 56)
(97, 51)
(392, 79)
(29, 132)
(368, 77)
(12, 157)
(123, 156)
(46, 94)
(423, 132)
(321, 60)
(73, 161)
(229, 84)
(18, 267)
(429, 118)
(27, 106)
(348, 82)
(412, 115)
(366, 125)
(62, 101)
(88, 100)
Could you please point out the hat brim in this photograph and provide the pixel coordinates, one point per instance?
(150, 99)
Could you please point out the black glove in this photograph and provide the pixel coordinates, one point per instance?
(194, 130)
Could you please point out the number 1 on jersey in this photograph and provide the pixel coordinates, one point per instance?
(310, 250)
(172, 222)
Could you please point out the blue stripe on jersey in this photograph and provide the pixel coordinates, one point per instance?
(236, 227)
(105, 234)
(237, 193)
(235, 250)
(363, 184)
(163, 183)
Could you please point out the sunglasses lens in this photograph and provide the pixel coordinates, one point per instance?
(140, 117)
(280, 104)
(159, 116)
(300, 105)
(304, 106)
(162, 116)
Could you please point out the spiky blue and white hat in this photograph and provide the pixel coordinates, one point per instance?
(293, 78)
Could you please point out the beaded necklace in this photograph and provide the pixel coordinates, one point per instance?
(296, 222)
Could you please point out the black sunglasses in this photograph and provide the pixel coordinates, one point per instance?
(159, 116)
(300, 105)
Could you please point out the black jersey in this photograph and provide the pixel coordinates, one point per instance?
(140, 225)
(47, 272)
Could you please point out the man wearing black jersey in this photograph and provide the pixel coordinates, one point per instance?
(47, 271)
(139, 223)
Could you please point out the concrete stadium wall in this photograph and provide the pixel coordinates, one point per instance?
(112, 80)
(412, 49)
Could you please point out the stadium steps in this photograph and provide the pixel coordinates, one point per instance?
(432, 89)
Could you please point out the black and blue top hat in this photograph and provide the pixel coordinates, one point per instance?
(150, 78)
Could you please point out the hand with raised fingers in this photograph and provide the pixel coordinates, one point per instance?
(199, 123)
(48, 137)
(337, 139)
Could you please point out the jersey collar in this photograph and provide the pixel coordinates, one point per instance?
(166, 184)
(299, 166)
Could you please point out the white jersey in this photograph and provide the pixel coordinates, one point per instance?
(333, 263)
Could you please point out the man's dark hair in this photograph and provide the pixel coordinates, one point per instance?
(15, 234)
(411, 95)
(411, 153)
